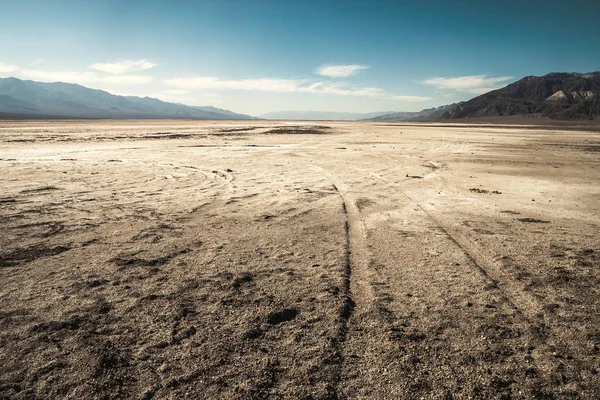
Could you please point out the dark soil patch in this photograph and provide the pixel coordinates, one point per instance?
(150, 262)
(40, 189)
(484, 191)
(299, 130)
(28, 254)
(285, 315)
(246, 277)
(533, 221)
(248, 128)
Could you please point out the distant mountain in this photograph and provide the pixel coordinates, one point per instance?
(321, 115)
(66, 100)
(393, 116)
(571, 96)
(228, 113)
(428, 114)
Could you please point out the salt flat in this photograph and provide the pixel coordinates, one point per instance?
(298, 260)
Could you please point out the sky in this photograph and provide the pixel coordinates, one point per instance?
(259, 56)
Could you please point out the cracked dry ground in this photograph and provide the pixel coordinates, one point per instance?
(270, 260)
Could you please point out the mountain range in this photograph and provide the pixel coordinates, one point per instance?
(428, 114)
(568, 96)
(29, 99)
(321, 115)
(558, 95)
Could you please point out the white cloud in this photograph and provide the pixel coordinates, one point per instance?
(114, 73)
(59, 76)
(286, 86)
(410, 98)
(476, 84)
(341, 89)
(261, 85)
(6, 68)
(340, 71)
(82, 78)
(123, 66)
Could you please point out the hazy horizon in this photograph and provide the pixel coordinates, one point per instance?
(265, 56)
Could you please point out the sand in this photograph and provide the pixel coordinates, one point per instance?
(326, 260)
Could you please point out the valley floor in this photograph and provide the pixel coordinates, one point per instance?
(181, 259)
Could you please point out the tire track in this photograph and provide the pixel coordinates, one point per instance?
(521, 302)
(475, 258)
(362, 329)
(357, 292)
(224, 190)
(526, 305)
(364, 315)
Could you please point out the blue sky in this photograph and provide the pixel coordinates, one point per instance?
(260, 56)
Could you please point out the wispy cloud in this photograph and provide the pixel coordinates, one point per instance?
(116, 73)
(180, 89)
(261, 84)
(342, 89)
(123, 66)
(476, 84)
(127, 79)
(7, 68)
(409, 98)
(286, 86)
(83, 78)
(339, 70)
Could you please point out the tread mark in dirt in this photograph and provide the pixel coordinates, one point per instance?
(225, 190)
(356, 285)
(525, 304)
(469, 254)
(348, 305)
(478, 265)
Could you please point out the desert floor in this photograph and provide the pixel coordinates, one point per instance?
(263, 259)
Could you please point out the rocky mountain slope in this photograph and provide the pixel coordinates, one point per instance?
(570, 96)
(23, 99)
